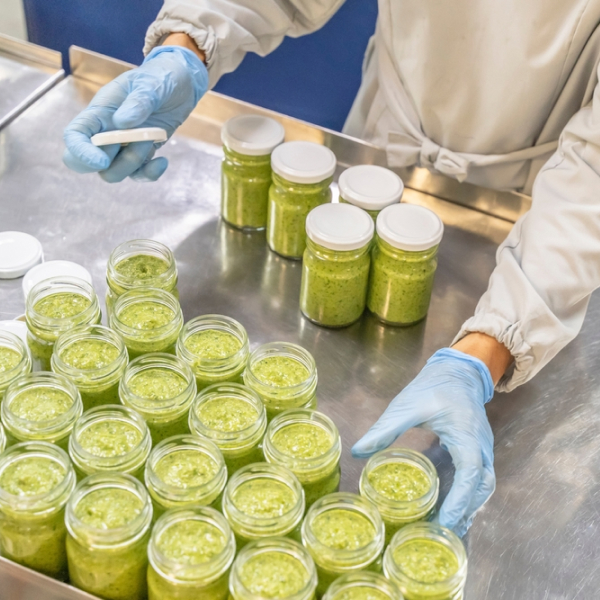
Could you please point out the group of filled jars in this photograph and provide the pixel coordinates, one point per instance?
(365, 251)
(159, 459)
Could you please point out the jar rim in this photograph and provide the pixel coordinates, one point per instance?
(363, 579)
(14, 342)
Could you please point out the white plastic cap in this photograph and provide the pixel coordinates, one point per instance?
(19, 252)
(410, 227)
(128, 136)
(339, 226)
(18, 328)
(252, 135)
(54, 268)
(303, 162)
(370, 187)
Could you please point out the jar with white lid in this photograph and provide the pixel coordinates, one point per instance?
(15, 360)
(404, 263)
(370, 187)
(248, 141)
(302, 174)
(335, 270)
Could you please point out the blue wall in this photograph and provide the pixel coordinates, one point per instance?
(314, 78)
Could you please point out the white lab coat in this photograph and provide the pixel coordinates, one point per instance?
(501, 93)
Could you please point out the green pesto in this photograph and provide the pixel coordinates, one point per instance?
(146, 315)
(141, 266)
(289, 205)
(9, 359)
(41, 403)
(334, 291)
(361, 592)
(302, 440)
(236, 460)
(426, 561)
(157, 383)
(192, 542)
(107, 395)
(110, 438)
(264, 497)
(108, 508)
(161, 588)
(280, 371)
(227, 414)
(400, 283)
(212, 344)
(32, 476)
(400, 481)
(373, 213)
(342, 529)
(161, 430)
(245, 183)
(186, 468)
(41, 352)
(274, 575)
(62, 305)
(89, 354)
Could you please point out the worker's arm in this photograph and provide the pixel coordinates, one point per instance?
(185, 41)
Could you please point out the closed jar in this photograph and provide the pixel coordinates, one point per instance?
(36, 480)
(343, 533)
(233, 417)
(41, 407)
(15, 360)
(284, 375)
(108, 521)
(161, 388)
(248, 141)
(263, 500)
(404, 263)
(404, 486)
(302, 174)
(190, 554)
(427, 562)
(94, 358)
(363, 585)
(308, 443)
(215, 347)
(53, 306)
(335, 270)
(110, 439)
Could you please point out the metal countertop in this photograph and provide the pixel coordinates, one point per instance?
(537, 537)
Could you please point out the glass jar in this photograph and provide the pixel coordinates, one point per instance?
(108, 521)
(404, 263)
(94, 358)
(216, 349)
(302, 174)
(248, 141)
(14, 359)
(427, 562)
(363, 585)
(2, 439)
(284, 375)
(404, 486)
(140, 264)
(343, 533)
(110, 439)
(184, 470)
(273, 568)
(36, 480)
(335, 270)
(148, 320)
(190, 553)
(41, 407)
(370, 187)
(308, 443)
(263, 500)
(234, 418)
(54, 306)
(161, 388)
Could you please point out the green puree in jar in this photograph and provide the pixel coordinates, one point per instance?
(280, 371)
(362, 592)
(62, 305)
(32, 476)
(41, 404)
(302, 440)
(426, 561)
(400, 481)
(192, 542)
(342, 529)
(109, 508)
(89, 354)
(157, 384)
(9, 359)
(212, 344)
(146, 315)
(227, 414)
(274, 575)
(108, 439)
(141, 266)
(264, 498)
(186, 468)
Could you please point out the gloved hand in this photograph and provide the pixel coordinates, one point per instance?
(162, 92)
(448, 398)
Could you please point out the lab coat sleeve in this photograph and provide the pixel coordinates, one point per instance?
(549, 264)
(227, 29)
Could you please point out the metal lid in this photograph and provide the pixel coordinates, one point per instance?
(252, 135)
(370, 187)
(409, 227)
(339, 226)
(54, 268)
(303, 162)
(18, 253)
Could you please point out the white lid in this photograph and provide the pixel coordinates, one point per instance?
(19, 328)
(303, 162)
(409, 227)
(339, 226)
(370, 187)
(54, 268)
(127, 136)
(18, 253)
(252, 135)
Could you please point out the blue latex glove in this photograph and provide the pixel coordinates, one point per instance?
(448, 398)
(162, 92)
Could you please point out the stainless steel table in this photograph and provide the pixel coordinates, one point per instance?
(537, 537)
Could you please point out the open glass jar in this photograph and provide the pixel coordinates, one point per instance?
(363, 585)
(14, 359)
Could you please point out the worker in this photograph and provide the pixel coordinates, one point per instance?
(499, 94)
